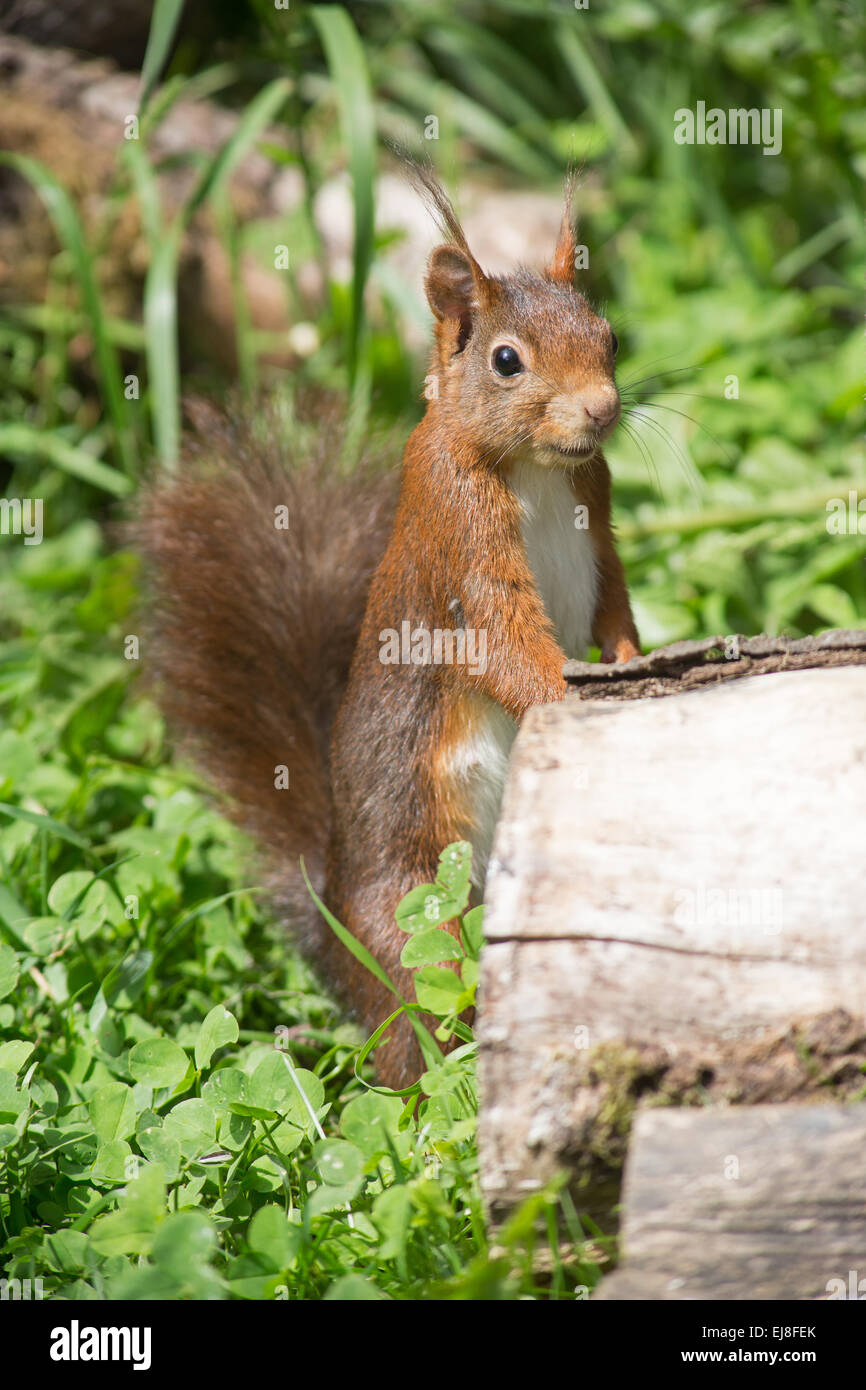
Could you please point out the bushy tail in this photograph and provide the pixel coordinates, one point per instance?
(258, 577)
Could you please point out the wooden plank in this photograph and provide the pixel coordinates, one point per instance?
(766, 1202)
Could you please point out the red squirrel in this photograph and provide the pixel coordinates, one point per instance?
(295, 647)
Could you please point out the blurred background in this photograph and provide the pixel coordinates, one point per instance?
(242, 226)
(198, 199)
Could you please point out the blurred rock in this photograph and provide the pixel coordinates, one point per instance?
(70, 113)
(504, 229)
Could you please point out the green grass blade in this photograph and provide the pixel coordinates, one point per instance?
(477, 45)
(196, 88)
(35, 443)
(358, 951)
(55, 319)
(68, 226)
(809, 251)
(146, 188)
(477, 58)
(347, 64)
(177, 931)
(366, 1051)
(163, 365)
(256, 117)
(160, 290)
(430, 1051)
(159, 307)
(811, 503)
(591, 83)
(476, 122)
(45, 823)
(163, 25)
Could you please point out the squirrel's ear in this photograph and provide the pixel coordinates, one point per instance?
(452, 285)
(561, 267)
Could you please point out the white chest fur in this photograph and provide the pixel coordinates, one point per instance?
(562, 561)
(560, 553)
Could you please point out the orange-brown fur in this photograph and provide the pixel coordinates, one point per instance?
(385, 798)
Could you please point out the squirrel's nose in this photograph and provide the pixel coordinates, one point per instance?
(601, 410)
(593, 409)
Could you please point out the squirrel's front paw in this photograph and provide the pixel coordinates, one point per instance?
(622, 650)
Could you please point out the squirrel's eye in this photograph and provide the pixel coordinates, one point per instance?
(614, 342)
(506, 361)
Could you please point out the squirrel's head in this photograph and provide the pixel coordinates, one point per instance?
(522, 360)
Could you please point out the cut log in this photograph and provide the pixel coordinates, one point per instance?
(676, 911)
(761, 1203)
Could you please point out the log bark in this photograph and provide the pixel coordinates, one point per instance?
(684, 666)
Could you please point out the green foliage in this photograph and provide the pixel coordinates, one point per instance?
(71, 233)
(181, 1113)
(164, 21)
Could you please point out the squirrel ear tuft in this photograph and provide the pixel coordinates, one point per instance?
(451, 285)
(561, 267)
(455, 282)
